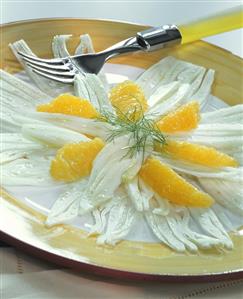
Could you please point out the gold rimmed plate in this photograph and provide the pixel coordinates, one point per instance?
(23, 225)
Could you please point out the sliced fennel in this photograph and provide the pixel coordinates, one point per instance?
(90, 87)
(14, 87)
(119, 221)
(108, 169)
(151, 78)
(114, 193)
(15, 146)
(85, 46)
(228, 173)
(48, 86)
(228, 194)
(51, 135)
(33, 171)
(139, 194)
(66, 207)
(59, 47)
(82, 125)
(176, 100)
(209, 223)
(160, 76)
(232, 114)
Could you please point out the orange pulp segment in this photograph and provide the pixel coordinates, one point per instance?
(169, 185)
(195, 153)
(183, 119)
(74, 160)
(71, 105)
(128, 99)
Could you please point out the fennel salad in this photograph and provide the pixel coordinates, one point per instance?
(143, 149)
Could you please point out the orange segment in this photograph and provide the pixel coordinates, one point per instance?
(185, 118)
(128, 99)
(198, 154)
(74, 160)
(169, 185)
(71, 105)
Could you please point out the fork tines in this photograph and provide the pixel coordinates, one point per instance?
(58, 69)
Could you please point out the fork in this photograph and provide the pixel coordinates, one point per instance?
(64, 69)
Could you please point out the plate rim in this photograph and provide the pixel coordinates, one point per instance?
(103, 270)
(24, 21)
(117, 21)
(97, 269)
(116, 273)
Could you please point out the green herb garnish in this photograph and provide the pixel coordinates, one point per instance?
(143, 130)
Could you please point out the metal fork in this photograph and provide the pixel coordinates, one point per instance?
(64, 69)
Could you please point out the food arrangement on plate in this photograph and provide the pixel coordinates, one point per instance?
(145, 150)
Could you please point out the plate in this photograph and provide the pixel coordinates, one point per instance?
(66, 245)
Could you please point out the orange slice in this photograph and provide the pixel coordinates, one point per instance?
(128, 99)
(71, 105)
(184, 118)
(169, 185)
(195, 153)
(74, 160)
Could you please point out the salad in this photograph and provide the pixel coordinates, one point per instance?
(143, 149)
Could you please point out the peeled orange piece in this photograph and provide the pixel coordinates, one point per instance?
(71, 105)
(198, 154)
(128, 99)
(169, 185)
(184, 118)
(74, 160)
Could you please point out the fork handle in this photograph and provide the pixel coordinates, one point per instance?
(159, 37)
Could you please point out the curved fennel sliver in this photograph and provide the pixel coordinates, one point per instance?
(86, 46)
(15, 146)
(33, 171)
(219, 130)
(232, 114)
(18, 90)
(139, 195)
(66, 207)
(150, 79)
(119, 222)
(50, 87)
(59, 47)
(228, 173)
(52, 135)
(228, 194)
(173, 102)
(154, 80)
(109, 168)
(90, 87)
(209, 223)
(83, 125)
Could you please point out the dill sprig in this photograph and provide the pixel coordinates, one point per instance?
(143, 129)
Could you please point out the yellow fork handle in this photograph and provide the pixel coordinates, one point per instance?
(225, 21)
